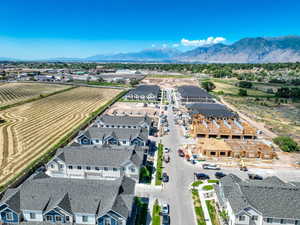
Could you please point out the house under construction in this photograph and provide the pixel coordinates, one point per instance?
(211, 120)
(234, 148)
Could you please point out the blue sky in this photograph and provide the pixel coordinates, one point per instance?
(36, 29)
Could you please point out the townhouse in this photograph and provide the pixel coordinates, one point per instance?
(129, 122)
(42, 199)
(267, 202)
(192, 94)
(211, 120)
(113, 136)
(100, 163)
(144, 92)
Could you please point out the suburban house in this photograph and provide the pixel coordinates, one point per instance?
(266, 202)
(93, 162)
(144, 92)
(43, 199)
(130, 122)
(211, 120)
(113, 136)
(192, 94)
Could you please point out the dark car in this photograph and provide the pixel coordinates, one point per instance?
(166, 220)
(219, 175)
(202, 176)
(255, 177)
(180, 153)
(165, 177)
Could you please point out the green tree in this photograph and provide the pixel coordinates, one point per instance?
(208, 85)
(286, 144)
(242, 92)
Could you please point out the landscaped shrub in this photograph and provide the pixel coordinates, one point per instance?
(286, 144)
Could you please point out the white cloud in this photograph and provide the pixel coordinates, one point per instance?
(153, 45)
(175, 45)
(164, 45)
(208, 41)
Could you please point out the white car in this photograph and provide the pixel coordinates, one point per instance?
(165, 209)
(211, 167)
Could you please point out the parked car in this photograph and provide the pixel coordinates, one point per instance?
(166, 158)
(165, 220)
(180, 153)
(219, 175)
(165, 209)
(165, 177)
(211, 167)
(255, 177)
(243, 168)
(201, 176)
(167, 150)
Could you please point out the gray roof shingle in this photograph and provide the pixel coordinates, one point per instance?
(145, 90)
(119, 133)
(189, 91)
(42, 193)
(272, 197)
(125, 120)
(111, 156)
(211, 110)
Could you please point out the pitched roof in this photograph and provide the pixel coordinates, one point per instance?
(111, 156)
(189, 91)
(124, 120)
(211, 110)
(145, 90)
(119, 133)
(42, 193)
(272, 197)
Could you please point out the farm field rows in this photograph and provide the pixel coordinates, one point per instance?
(32, 129)
(12, 93)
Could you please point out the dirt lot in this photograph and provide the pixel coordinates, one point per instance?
(131, 108)
(169, 82)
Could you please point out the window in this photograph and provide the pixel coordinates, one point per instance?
(97, 168)
(32, 216)
(9, 216)
(97, 141)
(115, 169)
(61, 166)
(79, 167)
(105, 169)
(132, 170)
(254, 218)
(269, 220)
(107, 221)
(85, 219)
(129, 126)
(70, 167)
(242, 218)
(124, 142)
(88, 168)
(52, 166)
(67, 218)
(134, 126)
(113, 126)
(124, 126)
(58, 218)
(49, 218)
(107, 126)
(282, 221)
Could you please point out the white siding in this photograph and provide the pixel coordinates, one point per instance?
(91, 219)
(38, 215)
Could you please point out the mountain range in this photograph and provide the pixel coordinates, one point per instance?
(246, 50)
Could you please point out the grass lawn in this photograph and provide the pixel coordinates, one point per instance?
(213, 181)
(155, 214)
(159, 164)
(197, 183)
(208, 188)
(198, 209)
(142, 210)
(107, 84)
(227, 87)
(212, 212)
